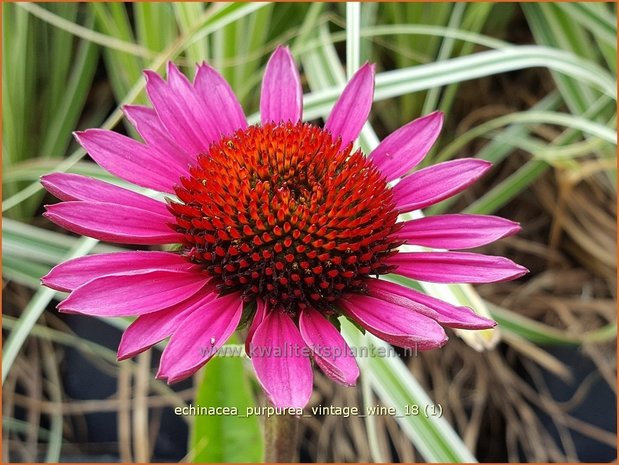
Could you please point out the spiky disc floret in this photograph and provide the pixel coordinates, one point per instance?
(282, 213)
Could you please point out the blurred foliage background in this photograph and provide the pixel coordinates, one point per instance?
(528, 86)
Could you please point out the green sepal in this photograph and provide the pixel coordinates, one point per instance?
(249, 310)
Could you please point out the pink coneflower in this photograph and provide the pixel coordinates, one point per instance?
(282, 223)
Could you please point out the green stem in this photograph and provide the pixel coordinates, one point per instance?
(280, 439)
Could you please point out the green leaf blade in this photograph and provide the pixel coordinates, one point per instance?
(225, 438)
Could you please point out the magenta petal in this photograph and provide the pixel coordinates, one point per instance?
(200, 336)
(281, 98)
(394, 323)
(205, 122)
(331, 352)
(353, 107)
(455, 267)
(114, 223)
(70, 187)
(180, 110)
(261, 312)
(402, 150)
(151, 328)
(156, 136)
(130, 160)
(438, 182)
(133, 294)
(281, 361)
(74, 273)
(219, 100)
(457, 231)
(443, 312)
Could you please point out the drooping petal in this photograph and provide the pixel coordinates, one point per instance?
(402, 150)
(281, 360)
(71, 187)
(74, 273)
(331, 352)
(281, 98)
(457, 231)
(219, 100)
(180, 110)
(200, 336)
(439, 310)
(113, 223)
(394, 323)
(353, 107)
(130, 160)
(455, 267)
(438, 182)
(151, 328)
(262, 308)
(134, 294)
(147, 123)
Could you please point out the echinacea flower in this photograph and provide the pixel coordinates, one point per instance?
(283, 223)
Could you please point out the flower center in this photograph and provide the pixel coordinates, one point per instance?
(282, 213)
